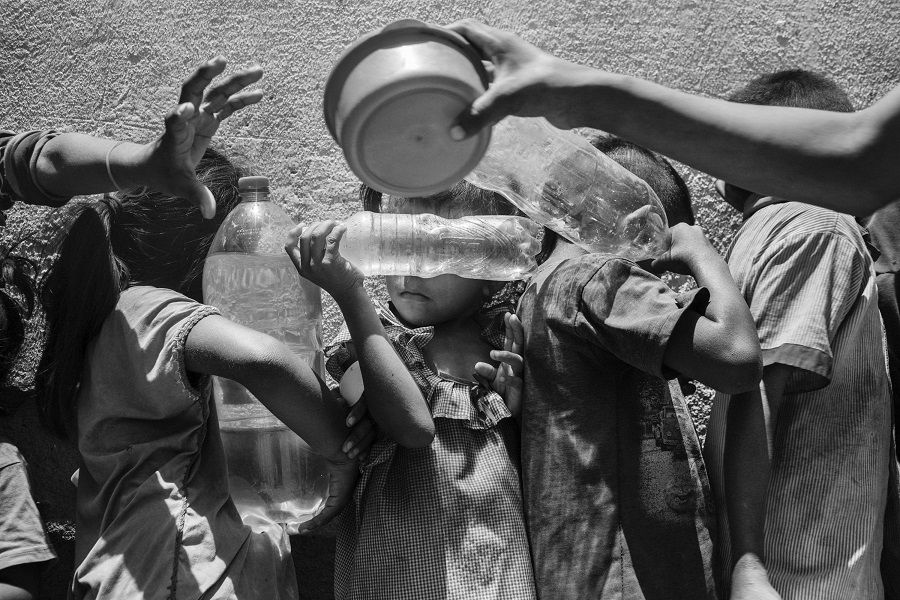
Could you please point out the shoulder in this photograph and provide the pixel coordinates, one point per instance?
(159, 314)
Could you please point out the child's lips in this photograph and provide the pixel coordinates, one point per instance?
(413, 295)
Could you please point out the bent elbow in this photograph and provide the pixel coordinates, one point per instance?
(419, 436)
(743, 370)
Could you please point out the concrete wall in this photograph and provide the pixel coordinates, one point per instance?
(113, 67)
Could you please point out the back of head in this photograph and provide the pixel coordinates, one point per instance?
(659, 174)
(134, 238)
(795, 88)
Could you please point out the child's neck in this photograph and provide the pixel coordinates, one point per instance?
(456, 347)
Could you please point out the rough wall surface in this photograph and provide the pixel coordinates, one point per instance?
(113, 67)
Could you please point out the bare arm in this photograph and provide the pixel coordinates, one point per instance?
(75, 164)
(847, 162)
(392, 397)
(720, 347)
(280, 379)
(748, 451)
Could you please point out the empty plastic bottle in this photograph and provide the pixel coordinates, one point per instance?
(273, 475)
(560, 180)
(493, 247)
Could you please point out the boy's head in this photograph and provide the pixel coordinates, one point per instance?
(659, 174)
(794, 88)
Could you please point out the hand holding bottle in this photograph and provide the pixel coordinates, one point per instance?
(315, 251)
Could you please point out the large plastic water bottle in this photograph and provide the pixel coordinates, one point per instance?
(560, 180)
(273, 475)
(493, 247)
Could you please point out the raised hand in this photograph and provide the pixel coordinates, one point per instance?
(191, 125)
(506, 379)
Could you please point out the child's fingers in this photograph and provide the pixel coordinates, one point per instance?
(333, 242)
(359, 432)
(176, 122)
(317, 239)
(237, 102)
(485, 374)
(514, 326)
(218, 96)
(513, 359)
(292, 245)
(356, 413)
(192, 88)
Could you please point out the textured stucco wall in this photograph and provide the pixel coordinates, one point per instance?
(112, 68)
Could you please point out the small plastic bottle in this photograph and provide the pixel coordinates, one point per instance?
(492, 247)
(273, 474)
(561, 181)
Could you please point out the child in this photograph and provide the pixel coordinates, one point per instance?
(437, 512)
(815, 515)
(46, 167)
(608, 515)
(129, 352)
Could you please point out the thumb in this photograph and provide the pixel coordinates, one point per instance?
(199, 195)
(484, 111)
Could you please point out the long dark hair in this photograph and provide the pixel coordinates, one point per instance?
(16, 305)
(134, 238)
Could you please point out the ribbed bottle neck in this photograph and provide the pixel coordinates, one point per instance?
(256, 196)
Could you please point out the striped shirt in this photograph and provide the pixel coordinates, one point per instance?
(808, 278)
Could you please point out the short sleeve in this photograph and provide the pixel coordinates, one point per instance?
(801, 291)
(22, 537)
(632, 313)
(18, 160)
(155, 324)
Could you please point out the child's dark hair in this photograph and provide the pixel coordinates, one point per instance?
(464, 197)
(135, 238)
(794, 88)
(659, 174)
(16, 306)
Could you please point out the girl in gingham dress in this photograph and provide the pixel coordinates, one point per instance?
(437, 512)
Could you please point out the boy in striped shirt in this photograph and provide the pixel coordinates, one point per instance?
(801, 473)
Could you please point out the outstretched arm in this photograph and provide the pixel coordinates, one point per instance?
(844, 161)
(76, 164)
(392, 396)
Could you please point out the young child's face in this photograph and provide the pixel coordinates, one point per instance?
(431, 300)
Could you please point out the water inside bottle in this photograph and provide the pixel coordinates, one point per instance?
(273, 475)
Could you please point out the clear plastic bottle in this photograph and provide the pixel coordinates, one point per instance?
(273, 475)
(493, 247)
(560, 180)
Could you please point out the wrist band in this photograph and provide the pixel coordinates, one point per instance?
(112, 179)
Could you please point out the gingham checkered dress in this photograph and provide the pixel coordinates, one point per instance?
(443, 521)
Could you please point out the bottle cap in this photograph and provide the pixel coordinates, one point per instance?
(249, 184)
